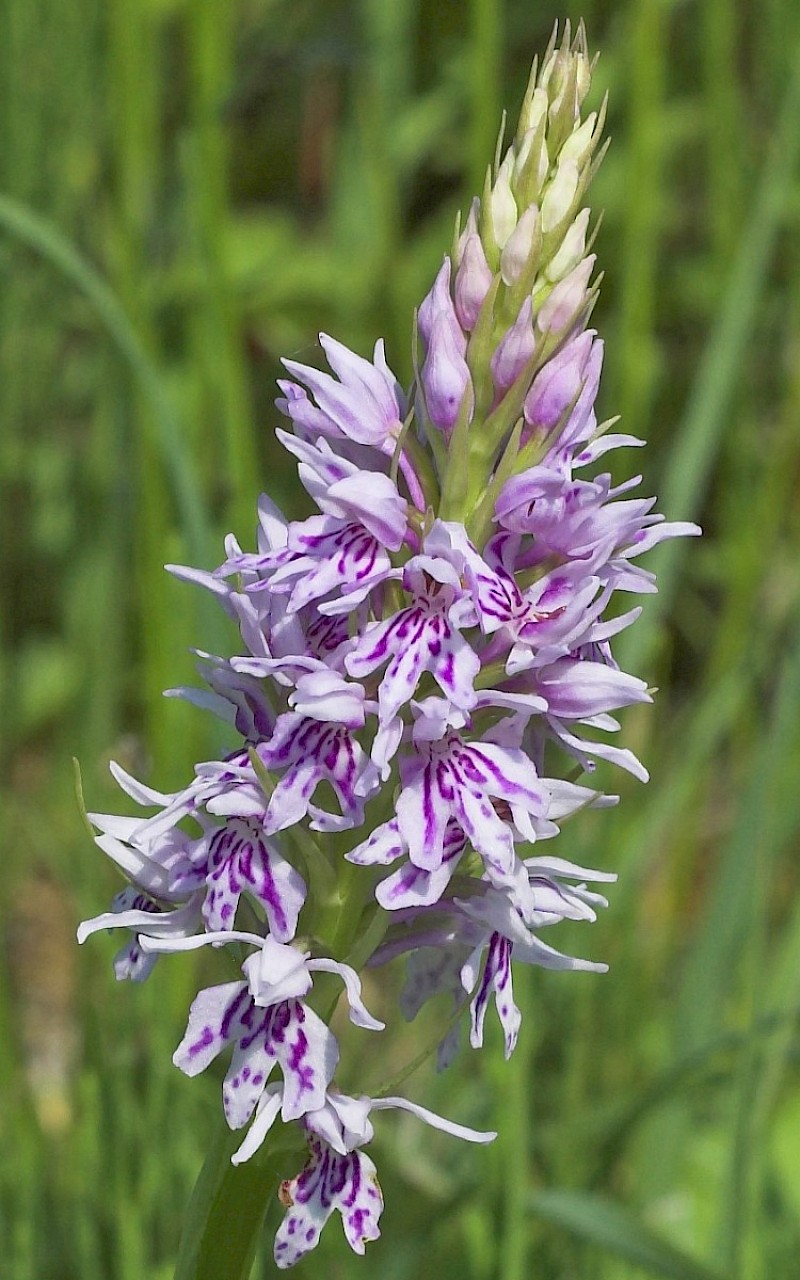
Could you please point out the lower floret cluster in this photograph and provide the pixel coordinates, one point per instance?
(411, 685)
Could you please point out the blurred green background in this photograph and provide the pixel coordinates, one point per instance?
(192, 188)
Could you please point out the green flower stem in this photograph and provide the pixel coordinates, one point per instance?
(515, 1088)
(226, 1212)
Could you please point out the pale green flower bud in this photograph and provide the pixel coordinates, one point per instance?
(531, 165)
(580, 143)
(560, 194)
(503, 206)
(534, 110)
(571, 251)
(566, 74)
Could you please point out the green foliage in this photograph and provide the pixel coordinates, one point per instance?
(190, 189)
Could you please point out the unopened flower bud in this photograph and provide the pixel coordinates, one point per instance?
(502, 205)
(444, 376)
(437, 306)
(564, 303)
(532, 164)
(571, 250)
(521, 244)
(470, 229)
(473, 276)
(566, 72)
(534, 111)
(584, 76)
(572, 374)
(515, 349)
(560, 194)
(578, 146)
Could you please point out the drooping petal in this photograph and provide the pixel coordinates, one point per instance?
(496, 978)
(214, 1020)
(329, 1181)
(434, 1120)
(360, 1015)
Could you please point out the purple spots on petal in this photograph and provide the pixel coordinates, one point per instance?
(241, 1002)
(207, 1038)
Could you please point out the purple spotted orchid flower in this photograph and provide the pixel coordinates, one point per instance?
(424, 666)
(267, 1021)
(338, 1175)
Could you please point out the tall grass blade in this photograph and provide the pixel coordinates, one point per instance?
(700, 433)
(616, 1230)
(40, 235)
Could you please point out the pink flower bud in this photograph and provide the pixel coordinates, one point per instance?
(444, 376)
(437, 306)
(570, 377)
(473, 276)
(515, 349)
(566, 299)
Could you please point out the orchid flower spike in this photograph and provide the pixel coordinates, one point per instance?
(423, 686)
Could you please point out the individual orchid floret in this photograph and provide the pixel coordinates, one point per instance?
(363, 403)
(236, 858)
(309, 752)
(425, 636)
(215, 867)
(364, 411)
(511, 938)
(266, 1021)
(464, 944)
(489, 792)
(346, 554)
(139, 913)
(337, 1176)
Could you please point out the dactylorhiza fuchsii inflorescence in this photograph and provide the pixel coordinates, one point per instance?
(425, 666)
